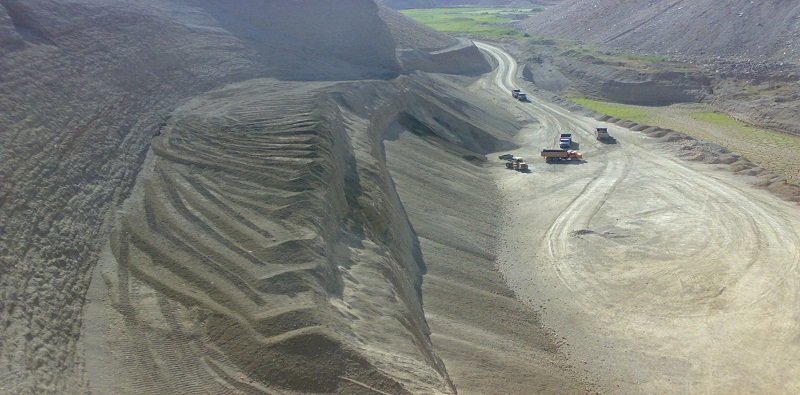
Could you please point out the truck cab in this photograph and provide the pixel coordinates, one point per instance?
(565, 140)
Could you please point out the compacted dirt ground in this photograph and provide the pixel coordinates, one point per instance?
(660, 275)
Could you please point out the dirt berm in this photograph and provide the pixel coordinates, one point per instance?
(623, 84)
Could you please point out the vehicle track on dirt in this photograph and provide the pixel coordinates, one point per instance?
(659, 275)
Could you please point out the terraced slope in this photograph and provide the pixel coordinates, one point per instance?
(85, 86)
(265, 249)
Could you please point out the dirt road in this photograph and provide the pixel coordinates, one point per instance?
(659, 275)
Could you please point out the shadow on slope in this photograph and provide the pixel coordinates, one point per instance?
(311, 39)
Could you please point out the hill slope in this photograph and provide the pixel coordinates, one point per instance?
(739, 28)
(407, 4)
(86, 86)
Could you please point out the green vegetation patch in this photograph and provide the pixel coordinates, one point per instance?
(654, 59)
(487, 22)
(593, 54)
(636, 114)
(779, 152)
(719, 118)
(776, 151)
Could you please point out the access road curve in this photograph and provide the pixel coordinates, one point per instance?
(658, 275)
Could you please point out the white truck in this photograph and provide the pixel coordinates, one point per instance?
(517, 94)
(565, 140)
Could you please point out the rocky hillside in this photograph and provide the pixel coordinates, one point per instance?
(406, 4)
(705, 28)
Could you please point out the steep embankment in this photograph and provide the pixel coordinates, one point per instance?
(82, 91)
(85, 87)
(741, 29)
(424, 49)
(265, 244)
(267, 249)
(558, 71)
(489, 340)
(311, 40)
(412, 35)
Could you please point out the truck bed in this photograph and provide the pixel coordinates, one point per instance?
(555, 153)
(550, 155)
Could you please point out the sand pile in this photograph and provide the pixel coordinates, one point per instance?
(265, 243)
(266, 249)
(85, 87)
(83, 90)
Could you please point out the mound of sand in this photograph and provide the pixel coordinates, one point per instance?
(263, 247)
(83, 90)
(742, 28)
(266, 242)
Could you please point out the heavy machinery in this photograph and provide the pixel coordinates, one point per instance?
(565, 140)
(515, 162)
(517, 94)
(557, 155)
(602, 134)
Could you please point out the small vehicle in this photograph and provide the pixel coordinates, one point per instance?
(514, 162)
(517, 94)
(517, 164)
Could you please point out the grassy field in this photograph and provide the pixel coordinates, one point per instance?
(636, 114)
(719, 118)
(485, 22)
(593, 54)
(776, 151)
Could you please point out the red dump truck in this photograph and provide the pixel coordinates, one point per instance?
(557, 155)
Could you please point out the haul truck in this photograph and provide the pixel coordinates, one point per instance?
(602, 134)
(557, 155)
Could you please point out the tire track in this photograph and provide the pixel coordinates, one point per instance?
(685, 277)
(578, 214)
